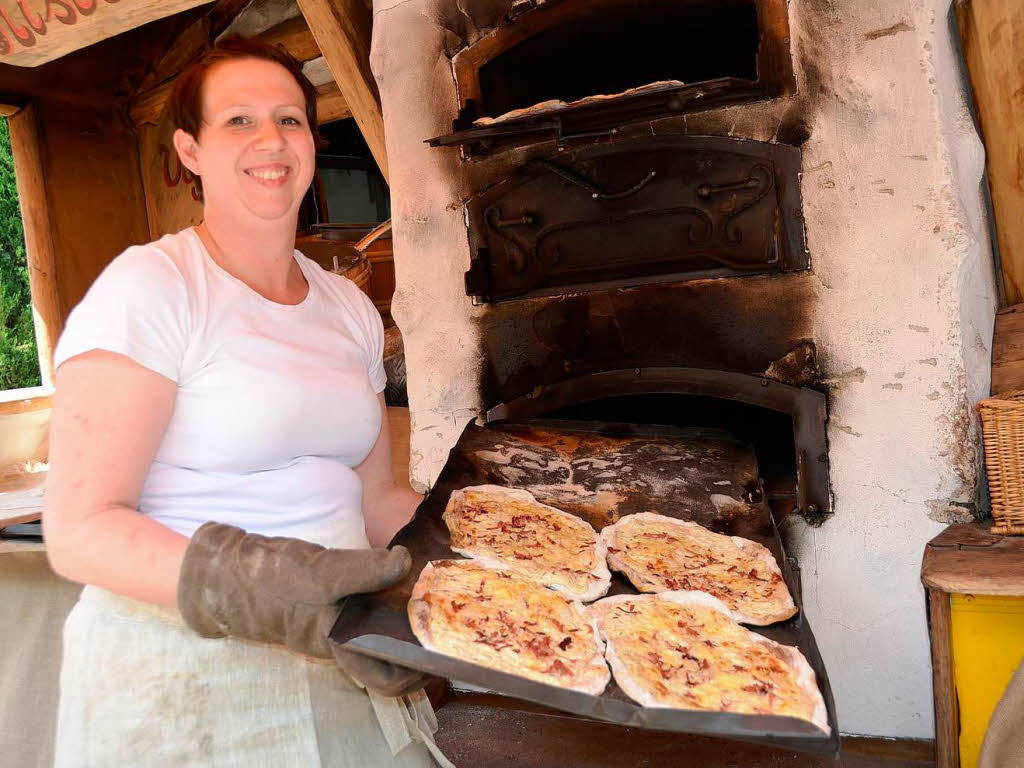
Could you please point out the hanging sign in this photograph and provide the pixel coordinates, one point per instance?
(33, 32)
(172, 193)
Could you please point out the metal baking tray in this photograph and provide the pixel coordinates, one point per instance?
(684, 473)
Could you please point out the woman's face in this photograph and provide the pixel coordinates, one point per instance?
(255, 152)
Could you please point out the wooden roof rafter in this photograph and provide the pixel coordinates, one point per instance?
(342, 29)
(292, 34)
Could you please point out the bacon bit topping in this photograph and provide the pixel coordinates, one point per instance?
(456, 606)
(559, 668)
(759, 686)
(540, 645)
(522, 556)
(613, 550)
(665, 671)
(566, 642)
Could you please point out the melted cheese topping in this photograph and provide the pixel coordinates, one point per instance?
(698, 658)
(498, 620)
(663, 556)
(531, 539)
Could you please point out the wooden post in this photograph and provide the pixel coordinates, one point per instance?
(28, 171)
(342, 30)
(991, 31)
(947, 721)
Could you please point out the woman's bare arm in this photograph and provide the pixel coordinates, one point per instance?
(386, 506)
(109, 416)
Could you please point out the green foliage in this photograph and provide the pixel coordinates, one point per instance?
(19, 363)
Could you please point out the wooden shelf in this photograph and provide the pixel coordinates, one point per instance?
(964, 559)
(21, 501)
(967, 559)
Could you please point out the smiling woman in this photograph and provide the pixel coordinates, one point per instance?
(242, 473)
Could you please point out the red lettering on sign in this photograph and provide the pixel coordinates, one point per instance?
(61, 11)
(37, 22)
(22, 34)
(67, 12)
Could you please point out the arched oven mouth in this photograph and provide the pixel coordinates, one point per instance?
(784, 425)
(568, 69)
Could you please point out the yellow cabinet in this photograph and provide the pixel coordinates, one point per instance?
(987, 643)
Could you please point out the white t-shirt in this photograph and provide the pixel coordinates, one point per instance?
(275, 403)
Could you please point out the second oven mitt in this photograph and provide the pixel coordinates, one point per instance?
(287, 591)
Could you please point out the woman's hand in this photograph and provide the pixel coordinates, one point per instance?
(287, 591)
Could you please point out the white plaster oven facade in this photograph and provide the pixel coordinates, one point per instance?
(903, 305)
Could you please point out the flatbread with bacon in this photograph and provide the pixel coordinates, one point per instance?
(489, 616)
(659, 554)
(508, 526)
(683, 650)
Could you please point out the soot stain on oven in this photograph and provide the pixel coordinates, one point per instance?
(740, 325)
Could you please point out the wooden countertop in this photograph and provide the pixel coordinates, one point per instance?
(21, 501)
(967, 559)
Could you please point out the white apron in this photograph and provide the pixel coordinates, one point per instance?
(139, 688)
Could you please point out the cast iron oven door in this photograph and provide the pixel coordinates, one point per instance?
(565, 69)
(651, 210)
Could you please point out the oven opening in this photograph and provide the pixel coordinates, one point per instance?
(611, 48)
(769, 433)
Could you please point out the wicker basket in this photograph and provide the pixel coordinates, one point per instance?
(1002, 425)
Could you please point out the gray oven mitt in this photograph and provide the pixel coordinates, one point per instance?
(287, 591)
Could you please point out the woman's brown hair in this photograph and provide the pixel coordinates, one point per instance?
(185, 105)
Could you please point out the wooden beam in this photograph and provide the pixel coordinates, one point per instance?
(149, 107)
(223, 13)
(294, 36)
(28, 171)
(991, 31)
(341, 29)
(190, 43)
(330, 104)
(186, 48)
(148, 103)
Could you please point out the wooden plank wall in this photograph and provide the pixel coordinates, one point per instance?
(93, 192)
(1008, 350)
(992, 33)
(81, 196)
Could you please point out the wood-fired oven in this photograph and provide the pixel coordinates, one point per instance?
(621, 279)
(755, 217)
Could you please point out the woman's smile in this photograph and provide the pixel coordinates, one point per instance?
(274, 175)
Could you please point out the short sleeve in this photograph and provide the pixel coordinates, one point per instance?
(138, 307)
